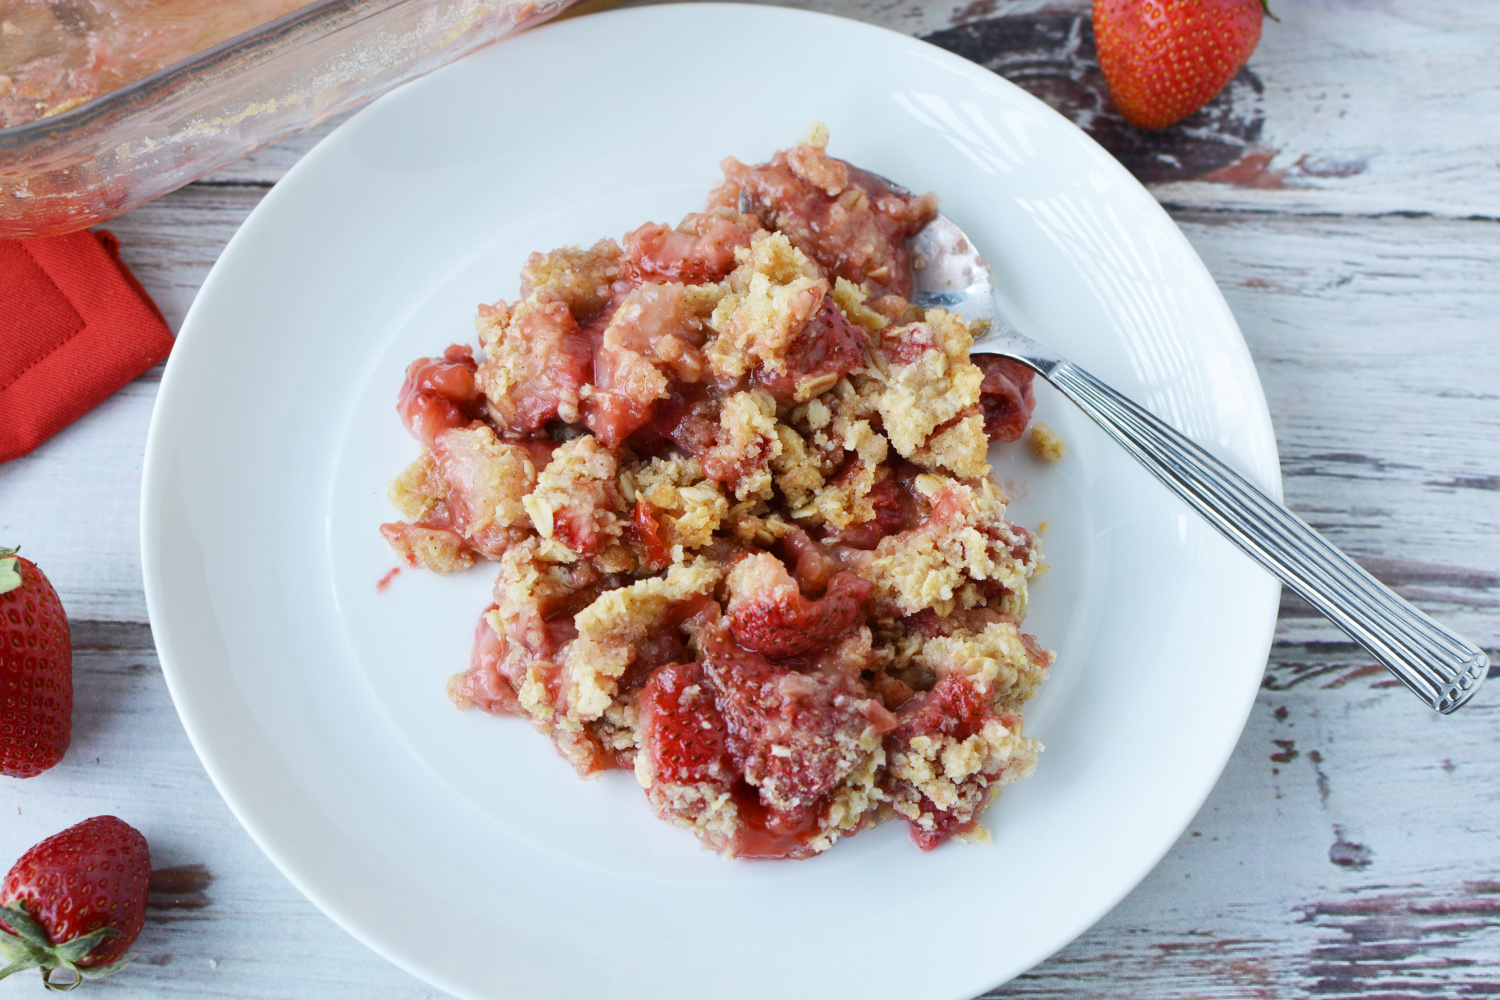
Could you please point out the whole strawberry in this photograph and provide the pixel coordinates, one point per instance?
(76, 901)
(36, 670)
(1165, 59)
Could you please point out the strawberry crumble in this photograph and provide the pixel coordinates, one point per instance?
(737, 489)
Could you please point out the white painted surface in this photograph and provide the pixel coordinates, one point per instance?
(1372, 868)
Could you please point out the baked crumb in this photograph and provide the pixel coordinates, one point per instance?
(573, 505)
(930, 380)
(418, 489)
(1047, 443)
(773, 294)
(746, 445)
(611, 629)
(686, 505)
(582, 279)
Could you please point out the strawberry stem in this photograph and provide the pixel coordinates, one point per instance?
(60, 987)
(1265, 6)
(15, 967)
(10, 577)
(28, 947)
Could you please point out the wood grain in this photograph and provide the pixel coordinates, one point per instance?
(1344, 194)
(221, 922)
(1345, 107)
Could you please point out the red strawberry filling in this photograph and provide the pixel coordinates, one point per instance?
(828, 346)
(850, 221)
(701, 249)
(682, 729)
(440, 393)
(538, 362)
(1006, 396)
(768, 614)
(949, 714)
(793, 738)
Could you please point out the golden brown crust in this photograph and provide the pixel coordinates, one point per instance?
(688, 506)
(610, 629)
(936, 386)
(579, 278)
(418, 489)
(572, 507)
(967, 539)
(773, 294)
(519, 343)
(747, 443)
(1047, 443)
(437, 549)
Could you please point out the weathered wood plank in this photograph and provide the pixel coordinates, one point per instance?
(235, 929)
(1379, 364)
(1344, 108)
(1347, 108)
(75, 502)
(172, 243)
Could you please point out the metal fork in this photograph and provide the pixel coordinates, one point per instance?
(1439, 666)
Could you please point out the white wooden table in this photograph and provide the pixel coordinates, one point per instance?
(1346, 195)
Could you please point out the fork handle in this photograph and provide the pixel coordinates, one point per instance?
(1440, 667)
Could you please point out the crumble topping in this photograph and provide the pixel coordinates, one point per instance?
(441, 551)
(1047, 443)
(772, 295)
(747, 442)
(611, 629)
(573, 505)
(966, 540)
(737, 490)
(582, 279)
(685, 506)
(419, 489)
(930, 380)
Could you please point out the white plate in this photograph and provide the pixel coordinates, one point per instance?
(459, 845)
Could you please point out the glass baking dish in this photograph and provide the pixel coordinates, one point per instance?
(154, 135)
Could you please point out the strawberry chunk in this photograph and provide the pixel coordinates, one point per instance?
(890, 503)
(828, 346)
(681, 728)
(848, 220)
(793, 736)
(648, 532)
(439, 393)
(484, 685)
(1006, 396)
(945, 717)
(698, 251)
(538, 362)
(768, 613)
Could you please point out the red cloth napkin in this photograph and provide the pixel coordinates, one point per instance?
(75, 325)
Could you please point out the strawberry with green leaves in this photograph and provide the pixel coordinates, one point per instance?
(36, 670)
(1165, 59)
(76, 902)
